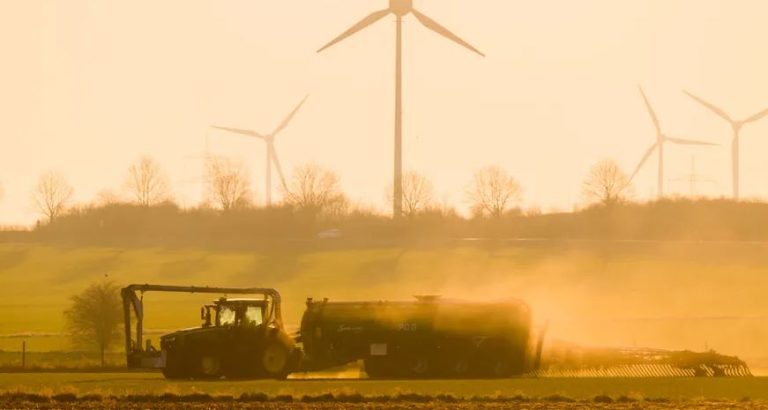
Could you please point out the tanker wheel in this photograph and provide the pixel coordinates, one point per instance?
(459, 368)
(376, 368)
(209, 366)
(490, 364)
(500, 368)
(275, 360)
(493, 367)
(420, 366)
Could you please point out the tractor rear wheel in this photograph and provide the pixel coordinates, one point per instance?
(275, 360)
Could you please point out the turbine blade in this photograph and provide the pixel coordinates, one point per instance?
(643, 161)
(437, 28)
(240, 131)
(710, 106)
(652, 113)
(684, 141)
(289, 117)
(757, 116)
(367, 21)
(273, 154)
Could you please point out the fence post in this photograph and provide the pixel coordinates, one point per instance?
(23, 354)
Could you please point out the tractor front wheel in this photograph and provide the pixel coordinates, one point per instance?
(209, 366)
(174, 367)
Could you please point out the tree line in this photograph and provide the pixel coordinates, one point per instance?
(315, 207)
(315, 191)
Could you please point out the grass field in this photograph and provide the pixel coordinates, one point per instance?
(666, 295)
(579, 389)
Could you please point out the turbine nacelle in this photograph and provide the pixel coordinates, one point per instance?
(400, 7)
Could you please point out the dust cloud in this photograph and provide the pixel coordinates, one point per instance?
(678, 296)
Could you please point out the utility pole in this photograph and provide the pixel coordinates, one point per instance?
(693, 178)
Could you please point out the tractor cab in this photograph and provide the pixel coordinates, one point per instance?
(239, 312)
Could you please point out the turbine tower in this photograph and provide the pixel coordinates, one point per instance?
(399, 8)
(661, 138)
(269, 139)
(736, 125)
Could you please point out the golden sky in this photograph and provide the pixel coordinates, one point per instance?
(89, 86)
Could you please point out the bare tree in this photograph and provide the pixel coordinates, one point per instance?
(146, 182)
(94, 317)
(493, 192)
(228, 183)
(606, 184)
(52, 194)
(418, 193)
(316, 190)
(107, 197)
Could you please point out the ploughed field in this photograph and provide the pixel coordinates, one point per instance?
(648, 294)
(430, 405)
(150, 390)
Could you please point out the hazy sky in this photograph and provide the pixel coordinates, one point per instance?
(89, 86)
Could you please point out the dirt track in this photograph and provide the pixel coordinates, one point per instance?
(392, 406)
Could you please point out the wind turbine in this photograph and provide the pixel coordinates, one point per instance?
(399, 8)
(661, 138)
(269, 139)
(736, 126)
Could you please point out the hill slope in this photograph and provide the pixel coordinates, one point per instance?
(668, 295)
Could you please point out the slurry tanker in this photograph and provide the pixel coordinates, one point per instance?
(427, 337)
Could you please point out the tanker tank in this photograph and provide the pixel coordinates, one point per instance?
(425, 338)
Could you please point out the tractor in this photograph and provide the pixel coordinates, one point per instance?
(237, 338)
